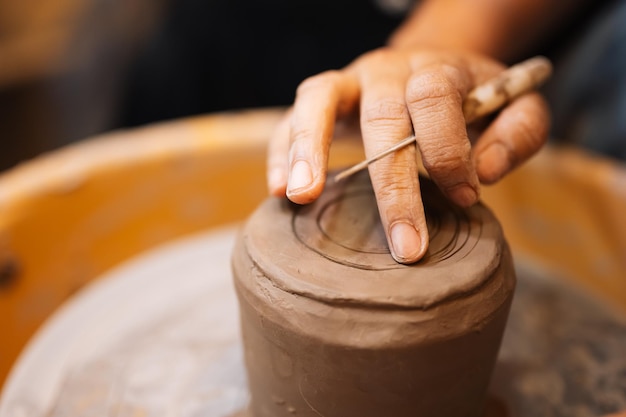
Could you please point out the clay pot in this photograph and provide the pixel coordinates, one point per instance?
(333, 326)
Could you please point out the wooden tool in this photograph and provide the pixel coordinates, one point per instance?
(482, 100)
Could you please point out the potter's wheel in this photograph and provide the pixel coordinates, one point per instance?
(159, 336)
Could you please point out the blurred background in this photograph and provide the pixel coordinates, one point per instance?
(73, 68)
(70, 69)
(62, 67)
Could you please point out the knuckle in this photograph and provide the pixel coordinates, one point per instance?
(301, 136)
(441, 161)
(396, 184)
(427, 89)
(380, 55)
(325, 80)
(392, 190)
(455, 75)
(384, 112)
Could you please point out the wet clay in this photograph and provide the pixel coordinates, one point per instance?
(332, 326)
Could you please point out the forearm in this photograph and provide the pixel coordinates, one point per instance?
(503, 29)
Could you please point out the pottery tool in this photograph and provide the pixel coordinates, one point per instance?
(482, 100)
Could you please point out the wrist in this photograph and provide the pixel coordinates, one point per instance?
(491, 27)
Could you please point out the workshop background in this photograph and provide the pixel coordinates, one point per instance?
(70, 69)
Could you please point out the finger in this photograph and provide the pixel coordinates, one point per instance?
(434, 98)
(319, 101)
(384, 121)
(519, 131)
(277, 157)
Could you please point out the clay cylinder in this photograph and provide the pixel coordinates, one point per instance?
(332, 326)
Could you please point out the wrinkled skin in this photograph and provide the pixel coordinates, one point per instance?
(395, 92)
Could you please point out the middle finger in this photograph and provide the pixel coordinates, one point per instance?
(384, 121)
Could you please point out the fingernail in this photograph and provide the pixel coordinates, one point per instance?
(406, 243)
(463, 194)
(493, 162)
(301, 176)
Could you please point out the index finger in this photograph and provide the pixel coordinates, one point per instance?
(319, 101)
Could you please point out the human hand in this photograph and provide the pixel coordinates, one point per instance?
(398, 92)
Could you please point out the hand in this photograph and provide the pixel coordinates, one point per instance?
(398, 92)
